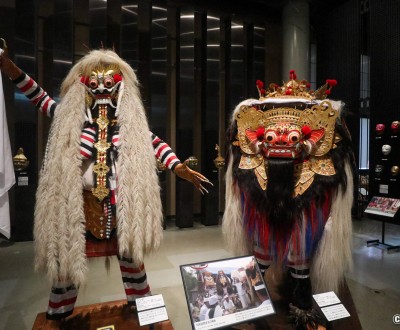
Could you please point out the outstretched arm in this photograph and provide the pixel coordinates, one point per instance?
(185, 172)
(7, 66)
(43, 102)
(164, 153)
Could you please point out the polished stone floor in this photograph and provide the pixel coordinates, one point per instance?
(374, 282)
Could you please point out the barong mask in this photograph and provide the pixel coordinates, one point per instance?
(279, 126)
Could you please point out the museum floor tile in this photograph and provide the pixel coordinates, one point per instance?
(374, 281)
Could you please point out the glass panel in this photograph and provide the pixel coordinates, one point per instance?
(129, 28)
(98, 23)
(186, 83)
(25, 55)
(237, 64)
(259, 58)
(158, 117)
(63, 41)
(212, 97)
(364, 144)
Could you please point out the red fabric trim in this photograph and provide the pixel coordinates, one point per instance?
(101, 248)
(28, 85)
(84, 154)
(37, 99)
(161, 149)
(132, 270)
(170, 160)
(45, 106)
(137, 292)
(65, 302)
(87, 137)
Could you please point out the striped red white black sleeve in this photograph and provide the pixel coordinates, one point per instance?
(36, 94)
(164, 152)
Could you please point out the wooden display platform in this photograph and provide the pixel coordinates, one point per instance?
(92, 317)
(119, 314)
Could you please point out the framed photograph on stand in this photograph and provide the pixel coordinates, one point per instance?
(383, 206)
(224, 292)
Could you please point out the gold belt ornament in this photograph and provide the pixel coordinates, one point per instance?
(100, 168)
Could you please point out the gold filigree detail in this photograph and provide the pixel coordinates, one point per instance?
(248, 118)
(303, 178)
(101, 169)
(322, 165)
(321, 116)
(248, 162)
(261, 175)
(282, 115)
(88, 100)
(102, 121)
(100, 192)
(102, 145)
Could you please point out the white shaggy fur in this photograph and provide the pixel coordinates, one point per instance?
(59, 218)
(333, 256)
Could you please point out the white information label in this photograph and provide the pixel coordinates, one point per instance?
(23, 181)
(384, 188)
(335, 312)
(149, 302)
(152, 316)
(326, 299)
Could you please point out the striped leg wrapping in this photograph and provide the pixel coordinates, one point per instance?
(264, 260)
(62, 301)
(134, 279)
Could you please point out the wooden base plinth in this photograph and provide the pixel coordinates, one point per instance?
(93, 317)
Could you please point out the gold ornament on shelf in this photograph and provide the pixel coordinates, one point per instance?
(219, 161)
(20, 161)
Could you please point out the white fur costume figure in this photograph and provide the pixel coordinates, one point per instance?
(98, 192)
(289, 188)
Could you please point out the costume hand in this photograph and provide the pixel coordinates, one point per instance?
(185, 172)
(6, 65)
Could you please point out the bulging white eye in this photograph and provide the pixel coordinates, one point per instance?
(93, 83)
(108, 82)
(270, 136)
(293, 136)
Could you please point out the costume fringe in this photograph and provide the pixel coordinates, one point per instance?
(59, 218)
(139, 209)
(333, 256)
(232, 222)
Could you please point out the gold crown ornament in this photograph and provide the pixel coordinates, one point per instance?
(295, 88)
